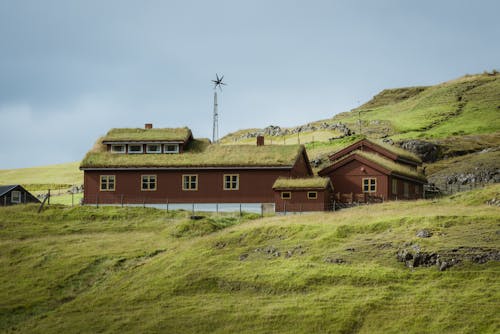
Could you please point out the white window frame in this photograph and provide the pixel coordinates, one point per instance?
(151, 179)
(286, 195)
(19, 195)
(107, 178)
(155, 152)
(170, 152)
(312, 195)
(369, 179)
(187, 179)
(136, 152)
(237, 182)
(119, 145)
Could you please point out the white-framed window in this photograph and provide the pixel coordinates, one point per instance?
(108, 183)
(15, 196)
(153, 148)
(369, 185)
(190, 182)
(118, 148)
(394, 186)
(231, 181)
(135, 148)
(312, 195)
(286, 195)
(148, 182)
(171, 148)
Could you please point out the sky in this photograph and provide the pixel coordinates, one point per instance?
(72, 70)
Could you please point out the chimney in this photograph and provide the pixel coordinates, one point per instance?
(148, 126)
(260, 140)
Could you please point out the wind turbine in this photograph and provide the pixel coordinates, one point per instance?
(215, 131)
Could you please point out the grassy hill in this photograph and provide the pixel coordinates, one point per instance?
(134, 270)
(44, 177)
(461, 116)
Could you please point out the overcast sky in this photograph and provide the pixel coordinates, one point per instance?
(71, 70)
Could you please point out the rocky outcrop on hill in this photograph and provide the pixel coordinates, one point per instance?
(427, 151)
(276, 131)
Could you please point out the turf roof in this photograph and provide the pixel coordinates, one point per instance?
(199, 153)
(137, 134)
(390, 165)
(391, 148)
(302, 183)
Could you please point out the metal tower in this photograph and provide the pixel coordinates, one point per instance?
(215, 131)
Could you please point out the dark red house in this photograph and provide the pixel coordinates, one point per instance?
(158, 166)
(303, 194)
(367, 170)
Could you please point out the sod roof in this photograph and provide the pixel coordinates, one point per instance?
(390, 165)
(302, 183)
(137, 134)
(198, 153)
(401, 153)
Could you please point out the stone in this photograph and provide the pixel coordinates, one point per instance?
(243, 256)
(427, 151)
(424, 234)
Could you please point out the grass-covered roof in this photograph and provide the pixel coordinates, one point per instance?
(302, 183)
(392, 166)
(137, 134)
(199, 153)
(402, 153)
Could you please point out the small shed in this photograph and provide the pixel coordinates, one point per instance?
(303, 194)
(16, 194)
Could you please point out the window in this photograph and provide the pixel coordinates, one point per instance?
(406, 189)
(118, 148)
(171, 148)
(15, 196)
(369, 185)
(231, 182)
(312, 195)
(108, 183)
(153, 148)
(286, 195)
(189, 182)
(394, 186)
(135, 149)
(148, 182)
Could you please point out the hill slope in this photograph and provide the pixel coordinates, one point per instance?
(44, 177)
(143, 270)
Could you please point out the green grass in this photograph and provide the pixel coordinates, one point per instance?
(301, 183)
(201, 154)
(163, 134)
(38, 178)
(136, 270)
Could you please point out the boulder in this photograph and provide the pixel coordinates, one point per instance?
(426, 151)
(424, 234)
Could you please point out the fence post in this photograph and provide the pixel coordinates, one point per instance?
(217, 208)
(48, 197)
(97, 200)
(143, 202)
(167, 205)
(72, 198)
(240, 210)
(192, 210)
(333, 206)
(261, 210)
(284, 207)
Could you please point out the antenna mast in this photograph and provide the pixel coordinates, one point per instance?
(215, 130)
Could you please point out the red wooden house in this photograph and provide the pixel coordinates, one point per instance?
(303, 194)
(158, 166)
(366, 170)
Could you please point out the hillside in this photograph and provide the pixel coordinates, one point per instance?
(458, 118)
(134, 270)
(44, 177)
